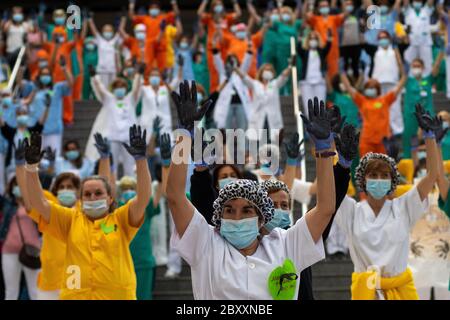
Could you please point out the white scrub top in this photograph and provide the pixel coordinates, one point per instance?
(380, 243)
(220, 271)
(301, 191)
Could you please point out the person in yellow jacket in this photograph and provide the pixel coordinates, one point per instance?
(378, 229)
(98, 262)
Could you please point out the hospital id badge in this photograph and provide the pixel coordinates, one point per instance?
(282, 281)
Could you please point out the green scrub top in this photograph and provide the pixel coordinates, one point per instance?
(418, 92)
(141, 246)
(347, 106)
(445, 146)
(89, 58)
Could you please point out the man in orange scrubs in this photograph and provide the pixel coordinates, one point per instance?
(218, 19)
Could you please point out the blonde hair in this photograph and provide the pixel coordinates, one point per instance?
(265, 66)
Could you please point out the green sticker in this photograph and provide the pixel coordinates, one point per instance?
(424, 82)
(282, 281)
(108, 229)
(120, 104)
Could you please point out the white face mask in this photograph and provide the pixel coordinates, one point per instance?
(342, 87)
(96, 208)
(313, 43)
(416, 72)
(267, 75)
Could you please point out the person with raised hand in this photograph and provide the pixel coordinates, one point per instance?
(378, 228)
(96, 234)
(222, 251)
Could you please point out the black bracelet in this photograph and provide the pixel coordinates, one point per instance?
(326, 154)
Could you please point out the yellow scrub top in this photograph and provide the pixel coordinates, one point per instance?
(170, 35)
(98, 262)
(53, 253)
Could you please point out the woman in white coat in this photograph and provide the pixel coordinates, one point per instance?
(118, 113)
(266, 99)
(233, 107)
(156, 101)
(387, 67)
(378, 228)
(229, 260)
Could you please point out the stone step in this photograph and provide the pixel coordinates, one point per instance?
(173, 295)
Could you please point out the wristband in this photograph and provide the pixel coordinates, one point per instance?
(428, 135)
(344, 162)
(323, 144)
(20, 162)
(326, 154)
(293, 162)
(166, 162)
(32, 167)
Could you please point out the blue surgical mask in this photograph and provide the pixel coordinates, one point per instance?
(18, 17)
(378, 188)
(199, 97)
(16, 192)
(225, 181)
(44, 164)
(96, 208)
(60, 21)
(67, 198)
(286, 17)
(384, 9)
(218, 8)
(324, 10)
(120, 93)
(240, 233)
(349, 9)
(7, 101)
(43, 64)
(129, 71)
(445, 125)
(45, 79)
(155, 80)
(154, 12)
(140, 35)
(275, 17)
(184, 45)
(370, 92)
(280, 219)
(108, 35)
(72, 155)
(266, 170)
(90, 46)
(384, 42)
(241, 35)
(22, 120)
(128, 195)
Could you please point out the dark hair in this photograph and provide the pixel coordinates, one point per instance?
(10, 186)
(335, 81)
(107, 186)
(218, 167)
(62, 177)
(78, 161)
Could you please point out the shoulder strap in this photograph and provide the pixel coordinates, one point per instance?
(20, 229)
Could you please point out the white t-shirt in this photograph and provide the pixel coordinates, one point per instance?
(313, 73)
(14, 36)
(220, 271)
(301, 191)
(107, 54)
(381, 242)
(385, 68)
(121, 115)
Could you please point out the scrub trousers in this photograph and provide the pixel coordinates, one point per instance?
(395, 111)
(12, 270)
(53, 141)
(411, 128)
(145, 280)
(310, 91)
(174, 263)
(423, 52)
(47, 295)
(121, 155)
(447, 70)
